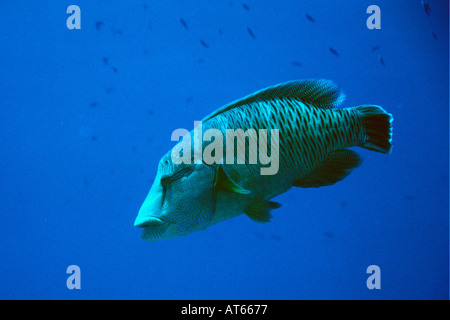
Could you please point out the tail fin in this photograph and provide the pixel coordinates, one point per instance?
(378, 125)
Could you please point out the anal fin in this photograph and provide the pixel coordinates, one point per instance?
(336, 167)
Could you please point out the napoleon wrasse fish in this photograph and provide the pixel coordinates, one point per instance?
(313, 137)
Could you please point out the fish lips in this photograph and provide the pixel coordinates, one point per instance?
(154, 228)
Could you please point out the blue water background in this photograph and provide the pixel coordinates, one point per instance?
(87, 114)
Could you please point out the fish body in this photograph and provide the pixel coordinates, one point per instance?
(313, 137)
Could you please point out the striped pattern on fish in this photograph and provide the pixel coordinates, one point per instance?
(311, 130)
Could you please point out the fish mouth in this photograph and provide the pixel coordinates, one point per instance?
(149, 222)
(153, 228)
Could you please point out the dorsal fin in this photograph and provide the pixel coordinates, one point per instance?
(318, 92)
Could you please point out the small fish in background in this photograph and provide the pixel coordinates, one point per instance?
(426, 6)
(260, 236)
(184, 24)
(246, 7)
(275, 237)
(309, 18)
(220, 31)
(296, 63)
(189, 99)
(109, 90)
(409, 197)
(250, 32)
(150, 112)
(116, 31)
(344, 204)
(114, 69)
(105, 61)
(333, 51)
(94, 104)
(381, 60)
(94, 138)
(329, 234)
(98, 25)
(203, 43)
(400, 105)
(376, 48)
(434, 35)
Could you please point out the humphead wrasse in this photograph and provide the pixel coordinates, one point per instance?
(313, 137)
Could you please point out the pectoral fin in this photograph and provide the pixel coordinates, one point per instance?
(224, 182)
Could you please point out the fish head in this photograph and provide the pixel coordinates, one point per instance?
(181, 201)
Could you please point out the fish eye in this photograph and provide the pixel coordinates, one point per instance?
(165, 180)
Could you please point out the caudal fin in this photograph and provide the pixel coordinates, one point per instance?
(378, 125)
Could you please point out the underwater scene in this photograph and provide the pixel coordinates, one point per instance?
(120, 177)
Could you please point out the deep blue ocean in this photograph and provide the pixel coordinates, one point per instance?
(86, 115)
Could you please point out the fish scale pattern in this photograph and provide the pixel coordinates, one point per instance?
(307, 133)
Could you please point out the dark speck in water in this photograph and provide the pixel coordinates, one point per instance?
(98, 25)
(109, 90)
(251, 33)
(116, 31)
(309, 17)
(329, 234)
(189, 99)
(184, 24)
(275, 237)
(426, 6)
(333, 51)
